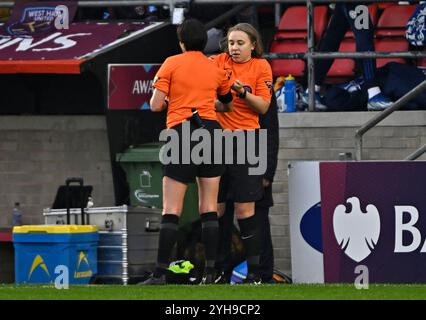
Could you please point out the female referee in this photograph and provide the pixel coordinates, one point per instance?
(191, 82)
(252, 85)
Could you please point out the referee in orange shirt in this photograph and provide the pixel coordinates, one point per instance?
(190, 80)
(252, 84)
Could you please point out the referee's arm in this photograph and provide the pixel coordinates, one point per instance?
(224, 103)
(158, 101)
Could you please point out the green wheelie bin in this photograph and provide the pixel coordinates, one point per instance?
(144, 176)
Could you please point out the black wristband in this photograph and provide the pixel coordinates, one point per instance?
(226, 98)
(243, 94)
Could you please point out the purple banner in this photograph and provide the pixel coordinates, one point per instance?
(374, 215)
(38, 18)
(77, 42)
(130, 86)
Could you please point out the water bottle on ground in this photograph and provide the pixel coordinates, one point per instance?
(290, 93)
(16, 215)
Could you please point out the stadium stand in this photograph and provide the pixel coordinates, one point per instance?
(384, 5)
(293, 23)
(421, 62)
(390, 44)
(390, 31)
(374, 15)
(344, 68)
(291, 37)
(393, 21)
(389, 20)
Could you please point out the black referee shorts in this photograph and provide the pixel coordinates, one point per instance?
(236, 184)
(186, 173)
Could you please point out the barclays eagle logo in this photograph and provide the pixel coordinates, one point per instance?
(356, 232)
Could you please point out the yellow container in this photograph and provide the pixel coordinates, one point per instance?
(56, 229)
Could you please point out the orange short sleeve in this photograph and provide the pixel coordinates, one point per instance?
(163, 77)
(264, 81)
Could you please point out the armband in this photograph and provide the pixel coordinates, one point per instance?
(226, 98)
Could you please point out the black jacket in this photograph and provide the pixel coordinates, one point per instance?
(269, 121)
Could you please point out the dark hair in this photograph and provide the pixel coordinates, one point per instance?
(192, 34)
(253, 35)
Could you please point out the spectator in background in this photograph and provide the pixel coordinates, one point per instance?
(206, 13)
(215, 35)
(93, 13)
(343, 19)
(145, 13)
(126, 12)
(268, 121)
(249, 15)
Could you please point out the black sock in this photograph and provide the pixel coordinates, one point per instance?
(210, 237)
(220, 257)
(249, 235)
(168, 234)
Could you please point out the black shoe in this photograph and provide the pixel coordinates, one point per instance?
(252, 279)
(221, 279)
(154, 281)
(208, 278)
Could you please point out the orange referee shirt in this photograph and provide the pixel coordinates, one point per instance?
(256, 76)
(191, 80)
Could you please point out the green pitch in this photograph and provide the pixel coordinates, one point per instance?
(212, 292)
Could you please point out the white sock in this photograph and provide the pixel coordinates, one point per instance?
(374, 91)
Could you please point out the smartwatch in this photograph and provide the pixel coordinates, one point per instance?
(243, 94)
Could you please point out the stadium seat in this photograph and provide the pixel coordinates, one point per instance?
(291, 37)
(343, 67)
(421, 62)
(384, 5)
(283, 67)
(293, 23)
(372, 9)
(393, 20)
(390, 44)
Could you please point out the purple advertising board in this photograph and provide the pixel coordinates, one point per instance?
(35, 18)
(80, 41)
(41, 37)
(130, 86)
(374, 215)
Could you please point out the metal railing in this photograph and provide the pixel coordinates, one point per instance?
(311, 55)
(417, 153)
(384, 114)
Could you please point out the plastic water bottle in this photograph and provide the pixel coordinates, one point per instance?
(16, 215)
(290, 93)
(279, 94)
